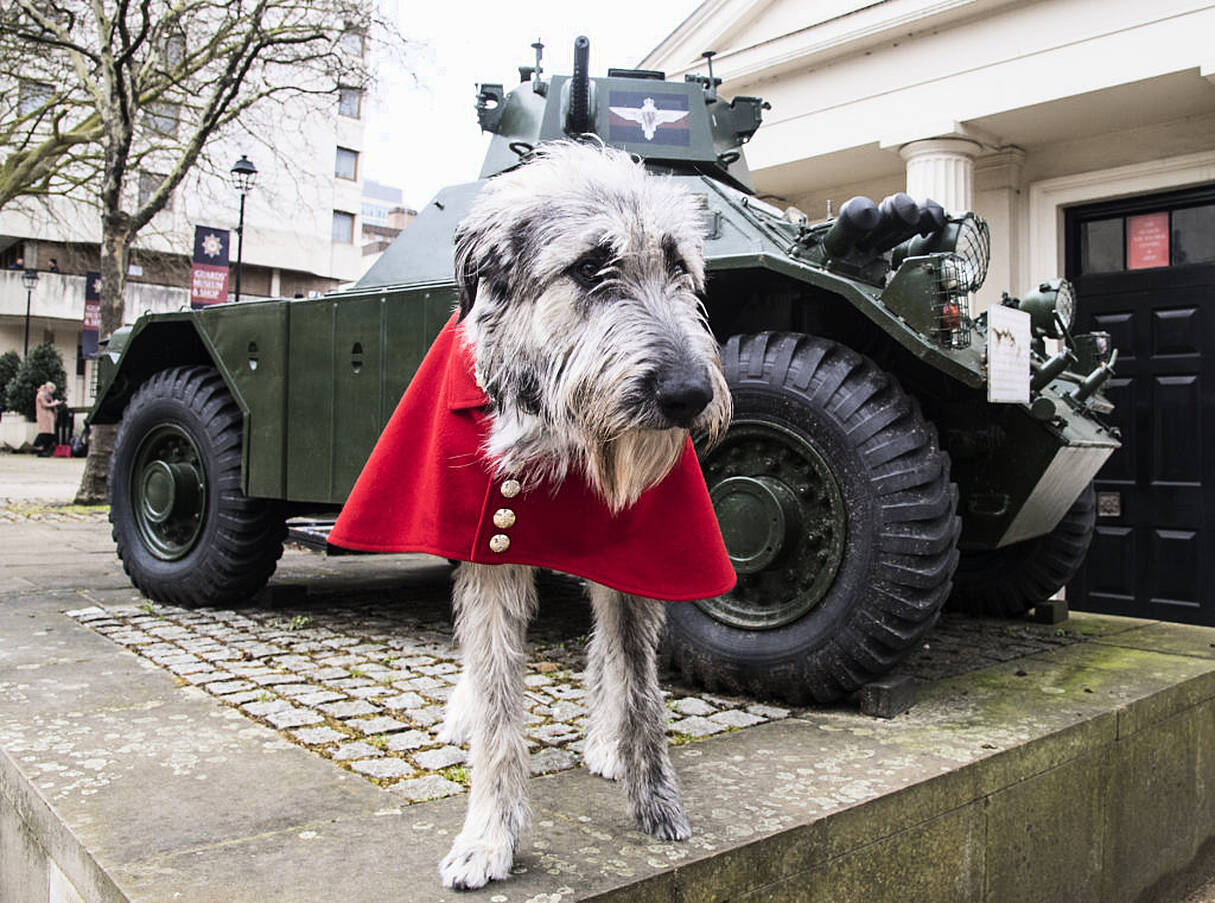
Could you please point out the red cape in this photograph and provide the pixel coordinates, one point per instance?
(427, 488)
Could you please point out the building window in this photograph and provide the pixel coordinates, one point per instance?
(1143, 241)
(1101, 246)
(32, 97)
(352, 41)
(148, 183)
(1194, 235)
(161, 118)
(343, 227)
(374, 214)
(175, 50)
(347, 166)
(350, 103)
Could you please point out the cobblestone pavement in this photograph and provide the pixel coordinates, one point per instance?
(363, 683)
(360, 677)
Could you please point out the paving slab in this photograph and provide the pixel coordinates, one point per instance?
(1046, 775)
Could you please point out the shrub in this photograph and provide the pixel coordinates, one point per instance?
(10, 362)
(41, 365)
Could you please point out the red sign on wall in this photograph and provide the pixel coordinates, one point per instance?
(1147, 241)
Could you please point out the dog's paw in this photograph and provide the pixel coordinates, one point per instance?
(474, 863)
(603, 759)
(666, 821)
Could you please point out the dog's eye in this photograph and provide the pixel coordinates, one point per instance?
(588, 270)
(679, 268)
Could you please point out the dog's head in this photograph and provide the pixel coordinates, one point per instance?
(580, 277)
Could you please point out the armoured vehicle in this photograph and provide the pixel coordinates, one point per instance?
(866, 482)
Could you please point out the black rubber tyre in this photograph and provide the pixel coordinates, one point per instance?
(1008, 582)
(186, 533)
(861, 563)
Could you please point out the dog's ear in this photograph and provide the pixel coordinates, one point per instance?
(468, 265)
(481, 262)
(487, 259)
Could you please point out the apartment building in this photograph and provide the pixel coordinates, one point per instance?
(302, 234)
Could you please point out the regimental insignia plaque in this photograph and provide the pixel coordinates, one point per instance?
(1109, 504)
(1007, 355)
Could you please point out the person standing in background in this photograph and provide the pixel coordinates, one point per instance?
(45, 404)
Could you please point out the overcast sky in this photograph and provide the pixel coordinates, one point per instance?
(422, 131)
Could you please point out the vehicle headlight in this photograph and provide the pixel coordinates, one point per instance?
(1054, 297)
(1065, 303)
(972, 245)
(966, 237)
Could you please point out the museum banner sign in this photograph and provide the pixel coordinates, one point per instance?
(92, 315)
(209, 276)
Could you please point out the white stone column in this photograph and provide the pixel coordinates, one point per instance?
(1001, 199)
(942, 169)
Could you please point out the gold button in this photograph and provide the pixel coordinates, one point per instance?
(499, 542)
(510, 489)
(504, 518)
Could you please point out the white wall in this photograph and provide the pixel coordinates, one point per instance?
(1056, 93)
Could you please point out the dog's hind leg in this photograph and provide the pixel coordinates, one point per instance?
(493, 604)
(627, 720)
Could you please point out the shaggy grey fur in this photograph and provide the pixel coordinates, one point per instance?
(579, 278)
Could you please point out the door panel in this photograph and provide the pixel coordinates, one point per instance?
(1152, 548)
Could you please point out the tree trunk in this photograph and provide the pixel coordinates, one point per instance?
(115, 250)
(94, 485)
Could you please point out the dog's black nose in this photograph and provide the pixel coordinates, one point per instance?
(682, 394)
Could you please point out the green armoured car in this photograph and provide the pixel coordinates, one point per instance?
(867, 479)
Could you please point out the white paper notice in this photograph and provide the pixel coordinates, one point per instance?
(1007, 354)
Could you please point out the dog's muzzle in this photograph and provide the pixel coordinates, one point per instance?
(683, 393)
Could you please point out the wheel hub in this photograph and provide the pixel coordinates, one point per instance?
(783, 520)
(168, 492)
(758, 516)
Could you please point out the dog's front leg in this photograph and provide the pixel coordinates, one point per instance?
(605, 716)
(626, 731)
(493, 604)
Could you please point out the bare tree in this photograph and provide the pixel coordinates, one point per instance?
(110, 91)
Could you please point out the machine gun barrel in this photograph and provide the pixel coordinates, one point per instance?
(1044, 374)
(578, 119)
(1096, 379)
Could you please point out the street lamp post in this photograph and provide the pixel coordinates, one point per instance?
(29, 278)
(244, 174)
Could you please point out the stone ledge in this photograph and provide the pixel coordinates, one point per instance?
(1086, 772)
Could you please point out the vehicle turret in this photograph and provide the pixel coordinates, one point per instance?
(681, 126)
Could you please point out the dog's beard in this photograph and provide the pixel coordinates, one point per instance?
(619, 469)
(622, 469)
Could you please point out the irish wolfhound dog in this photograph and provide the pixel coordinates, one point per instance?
(579, 278)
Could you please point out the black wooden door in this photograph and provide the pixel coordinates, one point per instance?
(1144, 271)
